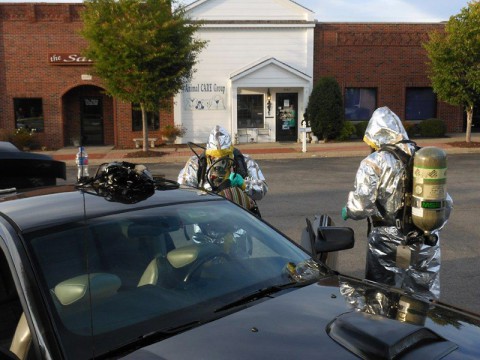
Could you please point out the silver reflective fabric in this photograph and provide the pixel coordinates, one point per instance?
(220, 140)
(365, 299)
(385, 127)
(361, 297)
(378, 184)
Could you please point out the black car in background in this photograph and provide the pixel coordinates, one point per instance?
(95, 271)
(24, 170)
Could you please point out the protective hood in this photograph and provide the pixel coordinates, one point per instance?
(385, 127)
(219, 143)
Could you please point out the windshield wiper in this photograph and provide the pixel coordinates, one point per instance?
(259, 294)
(148, 339)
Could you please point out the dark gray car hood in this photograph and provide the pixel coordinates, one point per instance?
(296, 324)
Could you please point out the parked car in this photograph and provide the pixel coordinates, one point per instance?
(22, 170)
(130, 269)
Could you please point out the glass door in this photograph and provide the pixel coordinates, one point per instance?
(287, 116)
(92, 120)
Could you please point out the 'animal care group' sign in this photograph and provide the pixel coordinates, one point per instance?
(204, 87)
(204, 96)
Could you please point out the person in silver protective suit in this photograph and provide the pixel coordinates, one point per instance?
(221, 154)
(222, 164)
(378, 195)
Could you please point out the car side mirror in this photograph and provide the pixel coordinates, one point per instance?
(325, 237)
(334, 238)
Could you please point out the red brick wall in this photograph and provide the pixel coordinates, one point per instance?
(386, 56)
(123, 134)
(28, 33)
(389, 57)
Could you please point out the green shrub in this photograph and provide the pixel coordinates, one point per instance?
(411, 128)
(432, 128)
(360, 128)
(325, 109)
(24, 139)
(347, 131)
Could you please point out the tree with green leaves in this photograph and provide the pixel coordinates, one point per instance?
(454, 60)
(143, 50)
(325, 109)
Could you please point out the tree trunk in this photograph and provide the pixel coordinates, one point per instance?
(468, 132)
(144, 128)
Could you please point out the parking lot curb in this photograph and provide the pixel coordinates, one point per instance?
(275, 150)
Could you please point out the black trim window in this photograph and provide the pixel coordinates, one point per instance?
(360, 103)
(28, 114)
(250, 111)
(420, 103)
(153, 119)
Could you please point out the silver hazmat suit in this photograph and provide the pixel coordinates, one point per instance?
(378, 183)
(219, 145)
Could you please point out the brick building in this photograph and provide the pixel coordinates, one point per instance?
(45, 83)
(385, 65)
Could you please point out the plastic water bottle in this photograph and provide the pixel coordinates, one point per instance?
(82, 163)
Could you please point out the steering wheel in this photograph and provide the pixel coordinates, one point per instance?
(201, 262)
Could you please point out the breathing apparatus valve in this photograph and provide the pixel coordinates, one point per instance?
(430, 239)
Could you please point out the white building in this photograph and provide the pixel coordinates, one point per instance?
(254, 76)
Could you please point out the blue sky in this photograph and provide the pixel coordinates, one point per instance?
(384, 10)
(366, 10)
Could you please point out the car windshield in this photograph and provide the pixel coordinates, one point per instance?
(121, 277)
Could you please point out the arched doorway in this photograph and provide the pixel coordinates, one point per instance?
(87, 116)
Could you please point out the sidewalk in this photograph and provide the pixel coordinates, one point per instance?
(276, 150)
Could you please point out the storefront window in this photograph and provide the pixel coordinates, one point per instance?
(360, 103)
(153, 120)
(28, 113)
(420, 104)
(250, 111)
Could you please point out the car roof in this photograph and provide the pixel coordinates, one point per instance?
(57, 205)
(23, 170)
(10, 151)
(6, 146)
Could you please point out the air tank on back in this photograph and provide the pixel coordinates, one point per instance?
(429, 190)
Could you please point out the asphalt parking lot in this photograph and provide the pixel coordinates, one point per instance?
(303, 188)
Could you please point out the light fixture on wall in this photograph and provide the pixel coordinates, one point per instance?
(269, 101)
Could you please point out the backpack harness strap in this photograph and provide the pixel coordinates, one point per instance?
(403, 220)
(240, 167)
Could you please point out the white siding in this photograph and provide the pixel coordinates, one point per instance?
(215, 10)
(210, 98)
(272, 75)
(229, 50)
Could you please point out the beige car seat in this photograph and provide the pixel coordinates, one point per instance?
(22, 339)
(66, 293)
(160, 265)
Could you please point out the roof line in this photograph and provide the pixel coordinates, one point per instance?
(262, 62)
